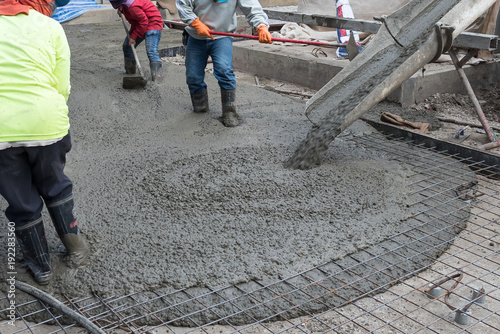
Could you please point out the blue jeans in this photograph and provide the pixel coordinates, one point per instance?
(197, 52)
(30, 174)
(152, 38)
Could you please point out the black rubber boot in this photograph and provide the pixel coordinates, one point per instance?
(230, 117)
(33, 244)
(130, 66)
(66, 226)
(200, 102)
(155, 67)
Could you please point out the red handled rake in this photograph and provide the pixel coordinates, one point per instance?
(285, 40)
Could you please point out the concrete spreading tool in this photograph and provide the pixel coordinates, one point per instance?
(274, 39)
(408, 39)
(131, 81)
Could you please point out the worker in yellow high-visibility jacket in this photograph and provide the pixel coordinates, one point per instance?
(34, 133)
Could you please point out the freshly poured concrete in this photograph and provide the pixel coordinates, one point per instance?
(170, 199)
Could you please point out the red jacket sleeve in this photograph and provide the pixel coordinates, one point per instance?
(138, 20)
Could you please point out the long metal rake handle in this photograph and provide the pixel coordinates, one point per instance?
(285, 40)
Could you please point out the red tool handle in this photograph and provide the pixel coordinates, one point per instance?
(286, 40)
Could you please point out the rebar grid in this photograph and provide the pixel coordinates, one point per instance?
(453, 239)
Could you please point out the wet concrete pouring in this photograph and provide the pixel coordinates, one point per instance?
(169, 199)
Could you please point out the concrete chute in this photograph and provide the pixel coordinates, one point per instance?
(409, 38)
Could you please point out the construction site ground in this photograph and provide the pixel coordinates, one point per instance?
(299, 71)
(125, 142)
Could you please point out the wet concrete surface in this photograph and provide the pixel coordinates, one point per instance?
(170, 199)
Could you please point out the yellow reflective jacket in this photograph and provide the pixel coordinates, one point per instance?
(34, 78)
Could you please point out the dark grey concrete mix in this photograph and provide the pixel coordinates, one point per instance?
(170, 199)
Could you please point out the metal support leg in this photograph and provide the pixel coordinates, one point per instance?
(492, 137)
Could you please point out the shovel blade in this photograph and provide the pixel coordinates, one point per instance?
(133, 82)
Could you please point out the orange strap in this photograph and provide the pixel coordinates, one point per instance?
(12, 8)
(41, 6)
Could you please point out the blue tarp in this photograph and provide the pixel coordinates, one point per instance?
(74, 9)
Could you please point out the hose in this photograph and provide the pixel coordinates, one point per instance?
(45, 297)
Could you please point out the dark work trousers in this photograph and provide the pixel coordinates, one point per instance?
(30, 174)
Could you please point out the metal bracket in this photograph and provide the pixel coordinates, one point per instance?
(462, 314)
(448, 31)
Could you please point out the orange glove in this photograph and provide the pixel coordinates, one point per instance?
(201, 28)
(264, 35)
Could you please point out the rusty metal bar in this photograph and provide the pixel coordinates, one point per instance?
(484, 122)
(462, 151)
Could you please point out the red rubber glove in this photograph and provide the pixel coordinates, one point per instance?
(264, 35)
(201, 28)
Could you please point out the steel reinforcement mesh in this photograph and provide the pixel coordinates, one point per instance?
(440, 275)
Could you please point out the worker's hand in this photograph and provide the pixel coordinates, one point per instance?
(264, 35)
(119, 12)
(201, 28)
(131, 42)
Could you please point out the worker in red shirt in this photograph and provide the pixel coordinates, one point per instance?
(146, 24)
